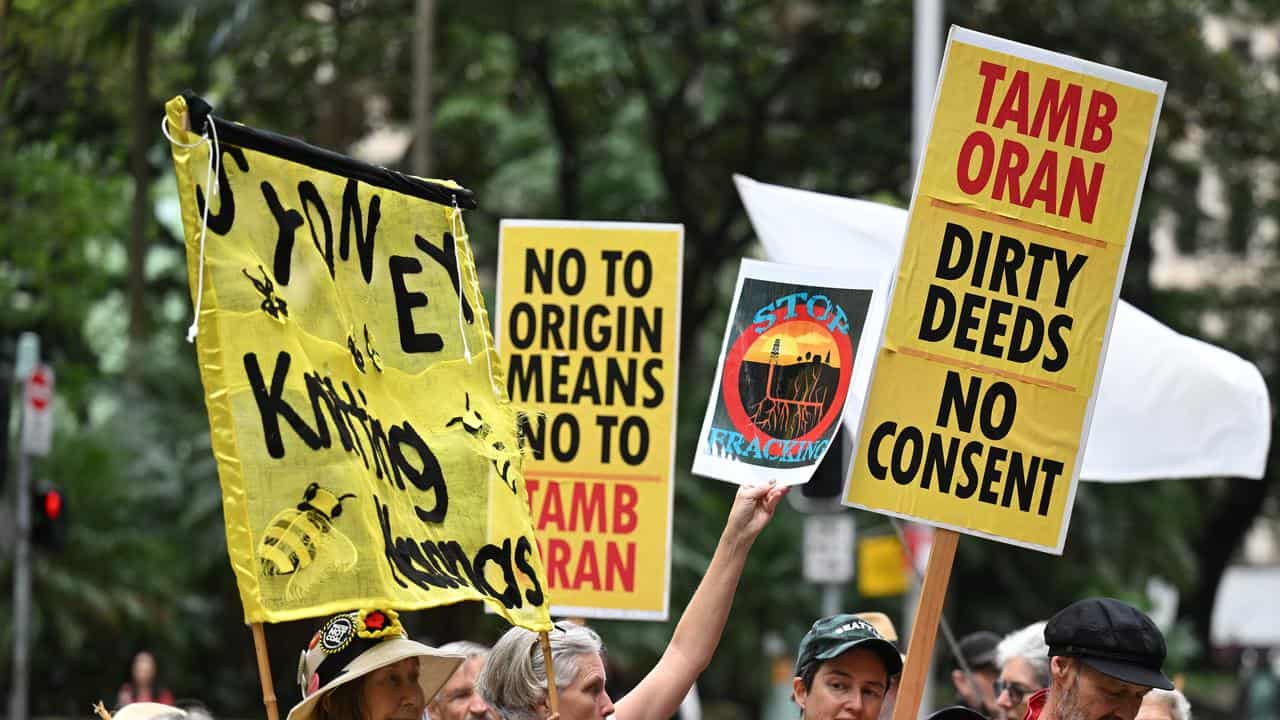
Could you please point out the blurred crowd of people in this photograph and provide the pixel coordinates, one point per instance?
(1096, 659)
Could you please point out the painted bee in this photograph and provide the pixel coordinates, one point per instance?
(303, 542)
(475, 426)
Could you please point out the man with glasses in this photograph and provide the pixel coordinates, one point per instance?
(1023, 658)
(1105, 656)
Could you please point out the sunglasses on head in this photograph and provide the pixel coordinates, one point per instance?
(1016, 691)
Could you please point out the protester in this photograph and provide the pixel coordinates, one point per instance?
(884, 626)
(362, 666)
(1164, 705)
(142, 686)
(1260, 691)
(1023, 658)
(1105, 655)
(459, 699)
(513, 681)
(976, 689)
(843, 669)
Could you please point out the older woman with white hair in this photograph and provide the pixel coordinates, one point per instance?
(1023, 657)
(514, 679)
(1160, 704)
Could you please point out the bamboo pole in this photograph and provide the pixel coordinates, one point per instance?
(264, 671)
(553, 699)
(924, 628)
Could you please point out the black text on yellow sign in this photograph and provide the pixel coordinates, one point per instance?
(1010, 270)
(588, 320)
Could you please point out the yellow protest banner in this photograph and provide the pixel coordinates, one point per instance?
(367, 454)
(589, 327)
(1016, 244)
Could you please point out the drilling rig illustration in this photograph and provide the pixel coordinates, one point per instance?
(796, 407)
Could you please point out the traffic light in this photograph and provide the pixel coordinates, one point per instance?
(48, 518)
(823, 492)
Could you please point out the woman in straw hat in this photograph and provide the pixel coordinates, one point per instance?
(514, 679)
(362, 666)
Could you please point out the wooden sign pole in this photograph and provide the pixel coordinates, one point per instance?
(264, 671)
(924, 628)
(553, 699)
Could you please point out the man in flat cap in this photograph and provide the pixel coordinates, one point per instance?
(1105, 656)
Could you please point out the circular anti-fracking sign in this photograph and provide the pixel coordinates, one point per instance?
(784, 375)
(781, 377)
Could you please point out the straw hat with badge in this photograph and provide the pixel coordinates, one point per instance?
(350, 646)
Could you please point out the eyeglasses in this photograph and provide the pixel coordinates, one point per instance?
(1016, 691)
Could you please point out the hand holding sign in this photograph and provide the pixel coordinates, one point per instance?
(752, 509)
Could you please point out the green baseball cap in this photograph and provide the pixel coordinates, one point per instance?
(831, 637)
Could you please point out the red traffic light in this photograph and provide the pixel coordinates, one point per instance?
(52, 504)
(49, 518)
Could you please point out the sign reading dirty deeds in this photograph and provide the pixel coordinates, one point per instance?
(367, 453)
(589, 328)
(794, 337)
(1016, 244)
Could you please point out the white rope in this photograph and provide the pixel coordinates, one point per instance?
(211, 174)
(455, 224)
(459, 232)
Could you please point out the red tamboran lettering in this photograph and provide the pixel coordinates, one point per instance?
(604, 509)
(590, 564)
(1058, 182)
(587, 509)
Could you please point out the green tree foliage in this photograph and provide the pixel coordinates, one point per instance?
(603, 109)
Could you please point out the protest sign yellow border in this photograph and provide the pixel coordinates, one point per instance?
(664, 242)
(999, 166)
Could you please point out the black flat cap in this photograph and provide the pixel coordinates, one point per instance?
(1113, 638)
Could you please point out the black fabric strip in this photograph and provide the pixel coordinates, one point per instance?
(333, 665)
(201, 112)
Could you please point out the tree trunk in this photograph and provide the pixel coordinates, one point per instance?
(4, 18)
(140, 103)
(1223, 533)
(423, 39)
(539, 57)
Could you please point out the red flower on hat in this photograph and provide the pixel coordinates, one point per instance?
(375, 620)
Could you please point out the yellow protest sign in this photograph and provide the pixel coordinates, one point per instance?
(882, 567)
(367, 454)
(589, 327)
(1016, 244)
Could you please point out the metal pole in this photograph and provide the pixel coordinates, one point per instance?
(927, 58)
(831, 593)
(423, 40)
(21, 590)
(926, 61)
